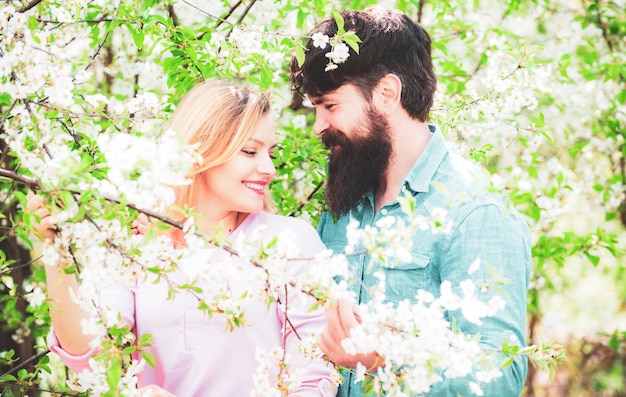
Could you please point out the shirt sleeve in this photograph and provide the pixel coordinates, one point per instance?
(112, 299)
(318, 376)
(75, 363)
(500, 238)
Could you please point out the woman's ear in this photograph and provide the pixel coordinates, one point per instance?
(389, 93)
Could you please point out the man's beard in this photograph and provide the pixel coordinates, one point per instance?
(356, 165)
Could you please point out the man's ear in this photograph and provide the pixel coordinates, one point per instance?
(389, 92)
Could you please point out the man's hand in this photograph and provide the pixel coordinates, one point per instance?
(341, 317)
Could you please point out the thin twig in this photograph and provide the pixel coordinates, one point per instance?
(308, 198)
(229, 13)
(25, 363)
(278, 34)
(241, 17)
(30, 262)
(172, 14)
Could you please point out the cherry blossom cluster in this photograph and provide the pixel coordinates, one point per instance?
(339, 51)
(143, 169)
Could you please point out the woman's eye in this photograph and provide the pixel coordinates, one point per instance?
(249, 152)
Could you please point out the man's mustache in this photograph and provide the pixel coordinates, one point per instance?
(333, 137)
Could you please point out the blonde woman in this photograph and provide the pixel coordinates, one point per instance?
(233, 129)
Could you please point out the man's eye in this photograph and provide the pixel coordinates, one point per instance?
(329, 106)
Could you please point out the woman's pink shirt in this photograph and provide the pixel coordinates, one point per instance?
(196, 355)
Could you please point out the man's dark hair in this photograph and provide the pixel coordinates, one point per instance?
(391, 43)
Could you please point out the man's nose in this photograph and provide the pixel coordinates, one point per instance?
(320, 125)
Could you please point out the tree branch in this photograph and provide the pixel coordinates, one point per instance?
(25, 363)
(30, 182)
(33, 3)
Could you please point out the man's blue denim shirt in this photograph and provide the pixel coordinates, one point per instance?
(484, 226)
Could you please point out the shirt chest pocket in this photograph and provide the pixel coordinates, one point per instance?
(336, 245)
(404, 279)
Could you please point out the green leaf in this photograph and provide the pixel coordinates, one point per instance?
(594, 259)
(5, 99)
(114, 374)
(267, 74)
(144, 340)
(149, 357)
(507, 362)
(128, 350)
(368, 386)
(352, 40)
(33, 23)
(531, 49)
(299, 53)
(340, 22)
(22, 374)
(8, 378)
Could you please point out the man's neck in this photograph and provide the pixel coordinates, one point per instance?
(409, 141)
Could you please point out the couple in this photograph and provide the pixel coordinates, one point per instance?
(371, 112)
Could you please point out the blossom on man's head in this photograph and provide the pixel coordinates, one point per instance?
(320, 40)
(330, 66)
(339, 54)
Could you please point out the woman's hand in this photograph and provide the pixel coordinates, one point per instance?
(65, 313)
(140, 225)
(47, 224)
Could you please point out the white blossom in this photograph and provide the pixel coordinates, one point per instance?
(339, 53)
(320, 40)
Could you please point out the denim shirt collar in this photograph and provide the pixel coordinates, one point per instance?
(421, 174)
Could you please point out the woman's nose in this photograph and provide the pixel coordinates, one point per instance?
(266, 166)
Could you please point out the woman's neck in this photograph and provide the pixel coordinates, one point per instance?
(210, 229)
(225, 224)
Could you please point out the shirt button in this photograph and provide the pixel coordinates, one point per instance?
(189, 328)
(383, 211)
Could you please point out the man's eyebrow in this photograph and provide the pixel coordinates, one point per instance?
(319, 99)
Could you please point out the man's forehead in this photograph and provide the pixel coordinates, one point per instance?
(325, 97)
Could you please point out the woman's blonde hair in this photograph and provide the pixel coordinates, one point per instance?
(219, 118)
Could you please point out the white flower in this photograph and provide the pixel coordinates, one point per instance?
(496, 304)
(488, 375)
(320, 40)
(96, 100)
(330, 66)
(474, 267)
(353, 234)
(339, 53)
(36, 298)
(475, 389)
(49, 255)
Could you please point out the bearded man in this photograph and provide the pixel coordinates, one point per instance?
(371, 113)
